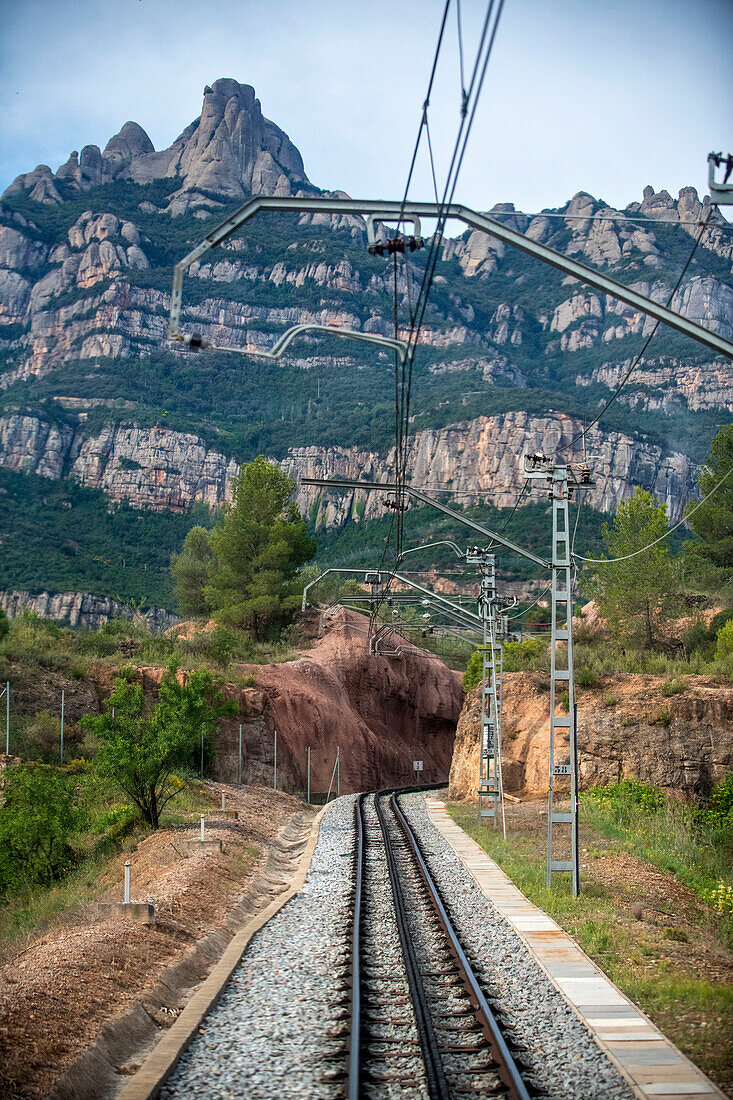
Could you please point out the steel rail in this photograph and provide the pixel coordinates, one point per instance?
(355, 1038)
(437, 1083)
(507, 1067)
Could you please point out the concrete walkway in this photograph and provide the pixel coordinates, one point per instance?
(652, 1065)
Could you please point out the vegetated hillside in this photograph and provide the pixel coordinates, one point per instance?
(512, 355)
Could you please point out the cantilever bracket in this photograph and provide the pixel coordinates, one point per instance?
(277, 351)
(721, 194)
(395, 211)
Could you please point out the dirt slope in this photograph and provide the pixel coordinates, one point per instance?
(683, 742)
(383, 712)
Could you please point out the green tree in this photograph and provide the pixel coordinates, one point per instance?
(258, 548)
(141, 747)
(4, 624)
(636, 597)
(37, 820)
(711, 556)
(190, 571)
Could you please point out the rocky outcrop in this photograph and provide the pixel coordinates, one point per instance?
(231, 150)
(383, 713)
(481, 459)
(666, 383)
(81, 609)
(485, 457)
(683, 743)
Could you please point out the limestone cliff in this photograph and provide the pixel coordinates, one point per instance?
(159, 468)
(85, 260)
(231, 150)
(80, 609)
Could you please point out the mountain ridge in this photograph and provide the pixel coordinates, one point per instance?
(508, 347)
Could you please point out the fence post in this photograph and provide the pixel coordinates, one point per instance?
(223, 800)
(203, 828)
(127, 882)
(62, 724)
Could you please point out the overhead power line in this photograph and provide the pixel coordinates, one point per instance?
(640, 354)
(625, 557)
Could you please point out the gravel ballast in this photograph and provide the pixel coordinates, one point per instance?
(279, 1027)
(565, 1063)
(272, 1031)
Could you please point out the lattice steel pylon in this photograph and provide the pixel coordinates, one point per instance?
(563, 733)
(490, 787)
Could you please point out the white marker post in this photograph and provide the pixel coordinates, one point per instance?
(127, 881)
(6, 693)
(223, 800)
(203, 828)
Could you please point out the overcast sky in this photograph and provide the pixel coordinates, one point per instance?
(587, 95)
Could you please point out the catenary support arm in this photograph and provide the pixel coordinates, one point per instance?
(456, 211)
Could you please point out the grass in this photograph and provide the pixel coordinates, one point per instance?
(113, 827)
(693, 843)
(648, 960)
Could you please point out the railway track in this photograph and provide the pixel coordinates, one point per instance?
(421, 1024)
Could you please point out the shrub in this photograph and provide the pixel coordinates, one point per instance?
(530, 654)
(37, 820)
(40, 737)
(664, 718)
(4, 624)
(675, 686)
(610, 700)
(587, 677)
(724, 640)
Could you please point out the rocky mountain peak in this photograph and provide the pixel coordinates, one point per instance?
(132, 141)
(233, 150)
(230, 150)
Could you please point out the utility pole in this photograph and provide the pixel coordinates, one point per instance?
(563, 731)
(494, 631)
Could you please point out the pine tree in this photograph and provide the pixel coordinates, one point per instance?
(711, 557)
(190, 570)
(257, 549)
(636, 597)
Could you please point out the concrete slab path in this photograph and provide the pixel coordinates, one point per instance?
(646, 1058)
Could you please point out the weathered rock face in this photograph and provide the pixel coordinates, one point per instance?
(485, 456)
(231, 150)
(80, 609)
(670, 384)
(685, 756)
(383, 713)
(159, 468)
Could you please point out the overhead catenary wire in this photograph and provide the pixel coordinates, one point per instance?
(416, 316)
(640, 354)
(626, 557)
(477, 79)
